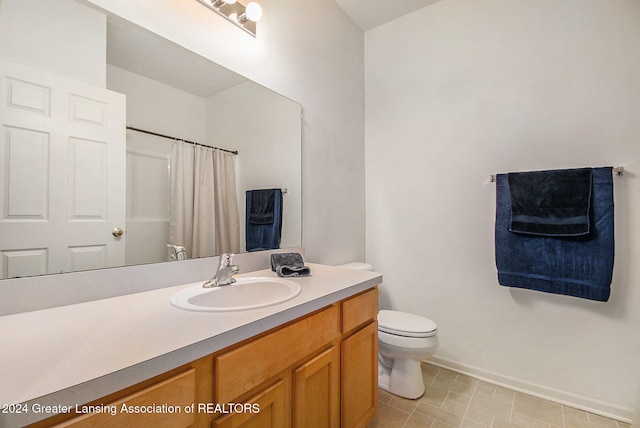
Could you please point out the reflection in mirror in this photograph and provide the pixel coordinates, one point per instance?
(63, 163)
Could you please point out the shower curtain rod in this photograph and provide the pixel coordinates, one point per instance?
(144, 131)
(618, 170)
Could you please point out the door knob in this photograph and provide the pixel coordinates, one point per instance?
(117, 232)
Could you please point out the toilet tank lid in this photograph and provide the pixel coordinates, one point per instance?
(357, 266)
(403, 322)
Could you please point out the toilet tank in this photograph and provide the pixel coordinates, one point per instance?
(357, 266)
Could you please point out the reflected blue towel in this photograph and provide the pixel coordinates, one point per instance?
(580, 266)
(263, 235)
(262, 206)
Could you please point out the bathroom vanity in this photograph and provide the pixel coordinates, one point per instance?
(310, 361)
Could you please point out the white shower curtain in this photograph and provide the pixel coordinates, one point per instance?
(204, 207)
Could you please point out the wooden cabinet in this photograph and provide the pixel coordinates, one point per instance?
(316, 391)
(303, 357)
(267, 409)
(329, 357)
(240, 370)
(360, 377)
(359, 310)
(146, 407)
(318, 371)
(359, 360)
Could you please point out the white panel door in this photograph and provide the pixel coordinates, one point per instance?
(62, 173)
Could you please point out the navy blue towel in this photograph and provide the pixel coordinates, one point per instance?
(263, 219)
(580, 266)
(262, 206)
(550, 203)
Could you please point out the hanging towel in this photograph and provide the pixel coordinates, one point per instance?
(580, 266)
(263, 219)
(262, 205)
(550, 203)
(289, 265)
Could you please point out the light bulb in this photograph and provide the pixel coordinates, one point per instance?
(253, 11)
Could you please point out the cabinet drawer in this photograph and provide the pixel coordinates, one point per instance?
(359, 310)
(176, 393)
(244, 368)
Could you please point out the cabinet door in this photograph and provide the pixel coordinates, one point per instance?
(269, 411)
(359, 377)
(316, 391)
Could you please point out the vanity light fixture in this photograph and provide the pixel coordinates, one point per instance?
(219, 3)
(233, 11)
(253, 12)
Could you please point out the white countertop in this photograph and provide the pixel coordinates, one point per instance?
(92, 349)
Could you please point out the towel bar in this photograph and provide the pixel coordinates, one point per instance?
(618, 170)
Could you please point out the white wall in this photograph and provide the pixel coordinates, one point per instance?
(265, 129)
(463, 89)
(308, 51)
(158, 107)
(32, 32)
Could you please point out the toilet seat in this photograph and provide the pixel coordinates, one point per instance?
(405, 324)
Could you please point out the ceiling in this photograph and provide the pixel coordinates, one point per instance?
(371, 13)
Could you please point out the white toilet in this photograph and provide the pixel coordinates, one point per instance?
(404, 340)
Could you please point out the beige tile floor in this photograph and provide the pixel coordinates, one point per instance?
(454, 400)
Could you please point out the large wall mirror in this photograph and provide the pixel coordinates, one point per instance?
(98, 117)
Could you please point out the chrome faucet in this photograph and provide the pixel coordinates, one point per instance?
(178, 252)
(224, 274)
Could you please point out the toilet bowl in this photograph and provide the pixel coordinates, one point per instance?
(404, 340)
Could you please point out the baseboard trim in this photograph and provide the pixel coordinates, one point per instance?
(598, 407)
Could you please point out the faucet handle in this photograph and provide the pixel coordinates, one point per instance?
(225, 260)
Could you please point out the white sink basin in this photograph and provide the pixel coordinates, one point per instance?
(245, 293)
